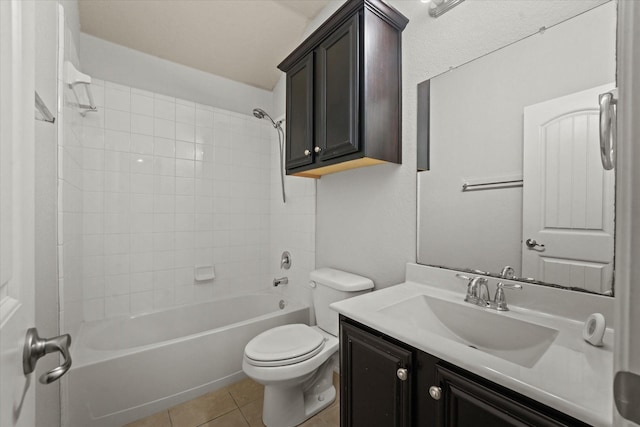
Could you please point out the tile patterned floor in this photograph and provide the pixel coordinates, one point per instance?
(238, 405)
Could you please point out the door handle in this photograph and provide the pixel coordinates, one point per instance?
(531, 244)
(36, 347)
(608, 132)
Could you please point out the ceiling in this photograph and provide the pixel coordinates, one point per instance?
(243, 40)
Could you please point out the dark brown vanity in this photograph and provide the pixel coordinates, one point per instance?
(387, 383)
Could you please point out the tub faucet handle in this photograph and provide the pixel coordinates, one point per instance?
(285, 260)
(280, 281)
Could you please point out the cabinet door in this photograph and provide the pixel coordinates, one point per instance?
(372, 394)
(299, 150)
(338, 92)
(466, 403)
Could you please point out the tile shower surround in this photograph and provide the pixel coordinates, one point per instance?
(167, 185)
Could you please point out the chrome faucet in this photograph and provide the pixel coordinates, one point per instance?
(280, 281)
(508, 272)
(477, 290)
(478, 293)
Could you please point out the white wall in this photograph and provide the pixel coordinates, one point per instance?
(477, 132)
(119, 64)
(168, 185)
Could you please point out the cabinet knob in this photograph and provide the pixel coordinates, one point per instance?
(317, 149)
(307, 152)
(403, 374)
(435, 392)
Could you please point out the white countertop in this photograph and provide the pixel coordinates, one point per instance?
(572, 376)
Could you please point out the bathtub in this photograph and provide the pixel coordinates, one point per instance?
(131, 367)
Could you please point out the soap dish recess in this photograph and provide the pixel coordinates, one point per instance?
(204, 272)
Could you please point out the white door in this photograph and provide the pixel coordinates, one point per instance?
(568, 198)
(17, 391)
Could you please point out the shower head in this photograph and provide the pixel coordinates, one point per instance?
(261, 114)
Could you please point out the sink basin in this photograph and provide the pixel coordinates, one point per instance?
(511, 339)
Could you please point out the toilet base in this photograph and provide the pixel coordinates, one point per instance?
(289, 404)
(289, 408)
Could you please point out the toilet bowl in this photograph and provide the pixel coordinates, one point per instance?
(295, 362)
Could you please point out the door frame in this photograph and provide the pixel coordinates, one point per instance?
(17, 313)
(627, 272)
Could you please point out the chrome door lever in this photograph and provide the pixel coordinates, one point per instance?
(533, 244)
(36, 347)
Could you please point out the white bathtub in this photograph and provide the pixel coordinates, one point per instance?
(131, 367)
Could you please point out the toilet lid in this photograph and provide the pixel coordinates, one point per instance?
(284, 345)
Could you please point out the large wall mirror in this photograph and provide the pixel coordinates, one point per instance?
(514, 175)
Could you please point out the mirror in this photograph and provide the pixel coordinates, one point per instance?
(519, 127)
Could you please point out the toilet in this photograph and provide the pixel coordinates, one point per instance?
(295, 362)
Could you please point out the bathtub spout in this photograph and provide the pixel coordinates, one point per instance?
(280, 281)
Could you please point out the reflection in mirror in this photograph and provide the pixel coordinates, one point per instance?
(519, 127)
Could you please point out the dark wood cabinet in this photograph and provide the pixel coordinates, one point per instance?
(376, 390)
(337, 110)
(299, 124)
(369, 393)
(350, 115)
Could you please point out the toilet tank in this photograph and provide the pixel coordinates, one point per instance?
(330, 285)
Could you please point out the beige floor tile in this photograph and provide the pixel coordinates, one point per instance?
(203, 409)
(315, 422)
(246, 391)
(232, 419)
(336, 384)
(161, 419)
(253, 413)
(331, 416)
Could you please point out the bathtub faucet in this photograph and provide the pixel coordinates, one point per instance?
(280, 281)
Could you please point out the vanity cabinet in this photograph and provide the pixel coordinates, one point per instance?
(434, 392)
(343, 92)
(376, 388)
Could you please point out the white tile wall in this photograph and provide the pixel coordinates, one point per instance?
(71, 204)
(156, 186)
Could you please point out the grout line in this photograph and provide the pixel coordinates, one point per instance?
(244, 417)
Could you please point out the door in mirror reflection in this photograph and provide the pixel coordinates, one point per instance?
(568, 197)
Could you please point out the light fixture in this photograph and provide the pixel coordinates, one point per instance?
(438, 7)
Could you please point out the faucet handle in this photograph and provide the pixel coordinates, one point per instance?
(509, 286)
(499, 300)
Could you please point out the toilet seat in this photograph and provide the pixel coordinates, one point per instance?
(284, 345)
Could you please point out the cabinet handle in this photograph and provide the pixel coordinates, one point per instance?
(307, 152)
(403, 374)
(435, 392)
(317, 149)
